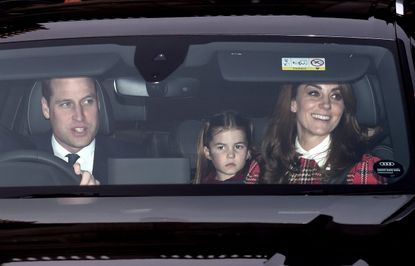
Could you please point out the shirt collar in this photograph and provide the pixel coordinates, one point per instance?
(318, 153)
(61, 152)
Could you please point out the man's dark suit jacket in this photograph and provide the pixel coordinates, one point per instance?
(105, 147)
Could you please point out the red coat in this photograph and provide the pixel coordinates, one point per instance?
(361, 173)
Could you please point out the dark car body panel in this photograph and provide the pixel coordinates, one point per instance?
(321, 226)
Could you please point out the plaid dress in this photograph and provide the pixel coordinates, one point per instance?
(309, 172)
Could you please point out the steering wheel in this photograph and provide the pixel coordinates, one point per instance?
(39, 159)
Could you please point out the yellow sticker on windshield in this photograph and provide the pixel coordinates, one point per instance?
(303, 64)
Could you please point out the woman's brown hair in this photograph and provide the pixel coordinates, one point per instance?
(278, 147)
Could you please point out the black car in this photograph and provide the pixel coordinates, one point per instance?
(322, 178)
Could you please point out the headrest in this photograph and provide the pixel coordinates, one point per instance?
(38, 124)
(187, 134)
(368, 111)
(260, 125)
(10, 141)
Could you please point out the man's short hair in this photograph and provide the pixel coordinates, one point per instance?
(46, 89)
(47, 86)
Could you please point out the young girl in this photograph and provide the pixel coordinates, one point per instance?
(224, 152)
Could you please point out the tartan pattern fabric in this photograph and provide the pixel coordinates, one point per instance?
(253, 173)
(308, 172)
(361, 173)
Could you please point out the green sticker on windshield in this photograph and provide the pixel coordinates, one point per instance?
(303, 64)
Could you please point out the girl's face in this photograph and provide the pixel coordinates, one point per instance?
(228, 152)
(319, 108)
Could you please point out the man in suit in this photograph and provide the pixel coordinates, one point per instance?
(72, 107)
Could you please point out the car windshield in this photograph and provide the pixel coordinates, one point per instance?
(222, 132)
(300, 113)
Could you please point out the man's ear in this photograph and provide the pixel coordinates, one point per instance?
(294, 106)
(45, 108)
(248, 155)
(207, 153)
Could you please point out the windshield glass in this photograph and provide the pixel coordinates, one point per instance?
(202, 110)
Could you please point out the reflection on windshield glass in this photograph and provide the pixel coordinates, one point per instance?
(232, 112)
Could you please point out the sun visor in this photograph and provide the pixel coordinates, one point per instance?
(276, 67)
(57, 66)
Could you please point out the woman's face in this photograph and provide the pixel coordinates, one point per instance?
(319, 108)
(228, 152)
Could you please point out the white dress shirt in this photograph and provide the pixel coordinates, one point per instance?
(86, 154)
(318, 153)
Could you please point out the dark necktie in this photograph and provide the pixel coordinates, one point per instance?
(72, 157)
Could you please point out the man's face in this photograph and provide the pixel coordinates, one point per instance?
(73, 112)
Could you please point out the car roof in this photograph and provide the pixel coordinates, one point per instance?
(249, 25)
(42, 24)
(173, 8)
(36, 20)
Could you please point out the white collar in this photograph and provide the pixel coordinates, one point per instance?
(317, 153)
(86, 154)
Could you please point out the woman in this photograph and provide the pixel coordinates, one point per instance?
(314, 138)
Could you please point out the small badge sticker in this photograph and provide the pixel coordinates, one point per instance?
(303, 64)
(387, 168)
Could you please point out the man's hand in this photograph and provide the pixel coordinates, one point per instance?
(87, 178)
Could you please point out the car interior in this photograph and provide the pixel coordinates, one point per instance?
(158, 96)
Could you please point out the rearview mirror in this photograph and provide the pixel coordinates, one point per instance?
(177, 87)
